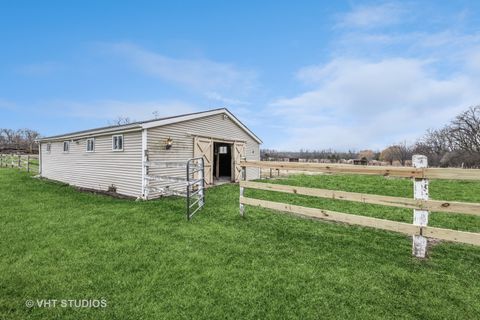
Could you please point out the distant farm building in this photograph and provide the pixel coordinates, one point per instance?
(362, 161)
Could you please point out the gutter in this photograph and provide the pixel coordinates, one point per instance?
(89, 134)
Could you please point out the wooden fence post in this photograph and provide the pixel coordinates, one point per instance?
(242, 189)
(420, 217)
(28, 163)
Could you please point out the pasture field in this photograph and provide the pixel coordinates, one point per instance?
(147, 262)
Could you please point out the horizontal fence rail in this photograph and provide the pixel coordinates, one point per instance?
(405, 172)
(431, 205)
(26, 162)
(400, 227)
(421, 204)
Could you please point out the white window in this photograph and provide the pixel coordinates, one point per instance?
(49, 147)
(91, 145)
(66, 146)
(117, 143)
(222, 150)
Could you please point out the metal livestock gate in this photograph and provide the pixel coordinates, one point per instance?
(194, 182)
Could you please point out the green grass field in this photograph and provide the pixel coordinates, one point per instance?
(148, 262)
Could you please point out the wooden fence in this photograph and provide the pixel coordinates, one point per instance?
(20, 161)
(421, 204)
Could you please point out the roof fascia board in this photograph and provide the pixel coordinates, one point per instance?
(244, 127)
(163, 122)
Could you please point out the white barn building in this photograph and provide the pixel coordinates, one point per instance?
(113, 158)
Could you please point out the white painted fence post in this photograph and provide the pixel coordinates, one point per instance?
(420, 217)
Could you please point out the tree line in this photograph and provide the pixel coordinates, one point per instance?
(21, 140)
(329, 154)
(457, 144)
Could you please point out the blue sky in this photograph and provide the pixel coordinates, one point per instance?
(305, 74)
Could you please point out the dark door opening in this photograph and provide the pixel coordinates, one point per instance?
(222, 162)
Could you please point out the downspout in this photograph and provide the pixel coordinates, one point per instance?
(40, 159)
(144, 165)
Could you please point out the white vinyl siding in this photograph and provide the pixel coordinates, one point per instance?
(100, 169)
(103, 168)
(90, 145)
(183, 133)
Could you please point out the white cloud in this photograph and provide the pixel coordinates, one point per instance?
(111, 109)
(7, 105)
(201, 75)
(383, 84)
(356, 103)
(218, 97)
(472, 59)
(372, 16)
(40, 68)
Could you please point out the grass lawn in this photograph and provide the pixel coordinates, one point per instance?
(148, 262)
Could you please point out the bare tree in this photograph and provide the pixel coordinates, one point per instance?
(121, 120)
(30, 137)
(456, 144)
(404, 152)
(400, 152)
(366, 154)
(434, 144)
(465, 130)
(388, 154)
(331, 155)
(8, 135)
(22, 140)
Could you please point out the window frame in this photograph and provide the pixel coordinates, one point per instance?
(113, 142)
(221, 149)
(68, 148)
(93, 145)
(48, 148)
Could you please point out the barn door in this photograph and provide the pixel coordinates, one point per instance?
(203, 147)
(238, 154)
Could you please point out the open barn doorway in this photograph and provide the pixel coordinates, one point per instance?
(222, 163)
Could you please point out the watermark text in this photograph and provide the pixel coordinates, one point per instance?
(66, 303)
